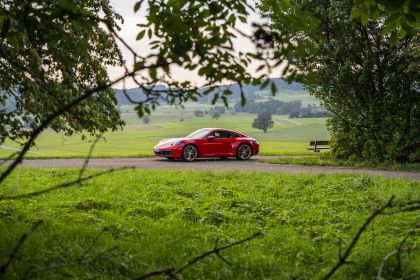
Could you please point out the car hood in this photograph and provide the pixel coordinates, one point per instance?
(167, 141)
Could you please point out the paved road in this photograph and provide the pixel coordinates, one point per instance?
(214, 164)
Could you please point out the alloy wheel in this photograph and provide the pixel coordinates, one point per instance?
(244, 152)
(190, 153)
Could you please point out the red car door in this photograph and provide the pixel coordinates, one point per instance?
(217, 145)
(232, 142)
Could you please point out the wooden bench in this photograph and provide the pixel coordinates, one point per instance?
(318, 145)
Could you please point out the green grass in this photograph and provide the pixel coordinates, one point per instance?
(163, 218)
(288, 136)
(325, 159)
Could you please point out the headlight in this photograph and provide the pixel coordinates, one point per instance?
(176, 143)
(256, 142)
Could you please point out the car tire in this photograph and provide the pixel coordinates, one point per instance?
(244, 152)
(189, 152)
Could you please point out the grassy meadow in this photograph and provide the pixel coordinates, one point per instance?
(287, 137)
(130, 222)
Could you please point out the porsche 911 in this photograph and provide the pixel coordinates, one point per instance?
(208, 142)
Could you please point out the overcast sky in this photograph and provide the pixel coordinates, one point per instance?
(129, 31)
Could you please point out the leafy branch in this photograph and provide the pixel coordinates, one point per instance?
(173, 272)
(62, 186)
(402, 207)
(85, 258)
(400, 249)
(12, 256)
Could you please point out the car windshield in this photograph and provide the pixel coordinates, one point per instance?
(198, 134)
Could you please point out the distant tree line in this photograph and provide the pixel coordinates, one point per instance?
(215, 112)
(274, 107)
(311, 111)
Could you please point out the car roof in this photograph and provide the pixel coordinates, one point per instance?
(225, 129)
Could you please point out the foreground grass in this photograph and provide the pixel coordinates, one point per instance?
(157, 219)
(325, 159)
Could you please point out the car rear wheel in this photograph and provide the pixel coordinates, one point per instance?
(244, 152)
(189, 153)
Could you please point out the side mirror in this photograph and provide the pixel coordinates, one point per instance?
(211, 138)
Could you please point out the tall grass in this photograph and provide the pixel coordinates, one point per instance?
(162, 218)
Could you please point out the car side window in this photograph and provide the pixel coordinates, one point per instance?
(233, 135)
(219, 134)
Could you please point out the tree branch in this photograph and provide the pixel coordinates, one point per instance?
(398, 251)
(342, 258)
(62, 186)
(172, 272)
(388, 256)
(412, 276)
(83, 259)
(35, 133)
(92, 147)
(12, 256)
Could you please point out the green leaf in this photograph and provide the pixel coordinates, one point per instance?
(153, 73)
(242, 19)
(364, 17)
(273, 89)
(394, 38)
(356, 12)
(285, 4)
(261, 67)
(225, 101)
(5, 27)
(227, 92)
(137, 6)
(215, 98)
(139, 110)
(141, 35)
(264, 84)
(243, 99)
(232, 19)
(193, 97)
(408, 28)
(202, 71)
(138, 65)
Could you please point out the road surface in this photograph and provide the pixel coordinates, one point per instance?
(215, 164)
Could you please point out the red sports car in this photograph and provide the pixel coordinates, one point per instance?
(208, 142)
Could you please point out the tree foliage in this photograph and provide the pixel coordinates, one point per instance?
(216, 114)
(146, 119)
(54, 52)
(263, 121)
(403, 16)
(220, 109)
(199, 113)
(366, 78)
(50, 53)
(196, 35)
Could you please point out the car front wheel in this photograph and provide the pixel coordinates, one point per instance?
(190, 153)
(244, 152)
